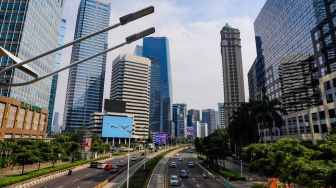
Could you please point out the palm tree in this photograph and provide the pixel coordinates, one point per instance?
(269, 112)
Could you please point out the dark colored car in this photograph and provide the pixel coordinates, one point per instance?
(114, 169)
(183, 174)
(108, 167)
(191, 164)
(93, 164)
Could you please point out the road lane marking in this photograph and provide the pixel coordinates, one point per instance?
(100, 175)
(87, 174)
(60, 186)
(75, 180)
(197, 185)
(90, 181)
(182, 185)
(97, 170)
(194, 179)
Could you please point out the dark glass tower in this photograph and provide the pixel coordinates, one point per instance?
(208, 116)
(160, 105)
(55, 79)
(85, 86)
(284, 46)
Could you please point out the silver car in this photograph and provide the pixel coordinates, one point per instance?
(174, 180)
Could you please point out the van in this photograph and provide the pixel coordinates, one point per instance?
(101, 165)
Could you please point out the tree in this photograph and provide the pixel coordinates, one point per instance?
(44, 152)
(216, 145)
(57, 151)
(269, 112)
(6, 149)
(73, 149)
(25, 153)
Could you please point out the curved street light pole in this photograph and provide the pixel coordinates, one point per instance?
(129, 145)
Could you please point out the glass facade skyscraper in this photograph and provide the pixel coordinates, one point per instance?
(85, 86)
(208, 117)
(157, 50)
(282, 31)
(28, 29)
(55, 78)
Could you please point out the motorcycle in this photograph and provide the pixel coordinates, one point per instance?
(204, 175)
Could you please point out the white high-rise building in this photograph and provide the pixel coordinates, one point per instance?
(130, 82)
(201, 129)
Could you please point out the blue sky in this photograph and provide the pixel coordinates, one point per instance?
(193, 29)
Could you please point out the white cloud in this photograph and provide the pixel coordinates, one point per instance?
(193, 30)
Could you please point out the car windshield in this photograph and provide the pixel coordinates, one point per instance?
(174, 178)
(183, 171)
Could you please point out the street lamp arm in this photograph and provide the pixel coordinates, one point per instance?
(138, 36)
(123, 20)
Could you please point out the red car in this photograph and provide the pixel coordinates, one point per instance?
(108, 167)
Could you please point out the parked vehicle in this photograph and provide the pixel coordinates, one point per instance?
(101, 165)
(93, 164)
(174, 180)
(108, 167)
(114, 169)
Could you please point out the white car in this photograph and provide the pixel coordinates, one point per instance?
(134, 158)
(180, 159)
(174, 180)
(101, 165)
(176, 154)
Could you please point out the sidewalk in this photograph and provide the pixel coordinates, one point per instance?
(251, 177)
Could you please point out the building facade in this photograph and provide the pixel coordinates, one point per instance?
(208, 117)
(233, 81)
(283, 36)
(85, 86)
(180, 119)
(28, 29)
(56, 128)
(160, 110)
(130, 82)
(221, 115)
(19, 120)
(195, 113)
(55, 80)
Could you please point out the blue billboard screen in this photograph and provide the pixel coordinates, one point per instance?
(161, 138)
(111, 132)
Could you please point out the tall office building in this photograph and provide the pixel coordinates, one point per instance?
(55, 79)
(85, 86)
(138, 50)
(57, 128)
(284, 44)
(130, 82)
(221, 115)
(157, 50)
(180, 119)
(208, 117)
(233, 81)
(28, 29)
(195, 113)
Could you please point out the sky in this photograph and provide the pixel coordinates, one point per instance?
(193, 30)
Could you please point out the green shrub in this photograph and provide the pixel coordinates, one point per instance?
(258, 186)
(200, 157)
(223, 172)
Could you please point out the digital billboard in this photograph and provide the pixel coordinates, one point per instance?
(111, 132)
(87, 144)
(161, 139)
(190, 131)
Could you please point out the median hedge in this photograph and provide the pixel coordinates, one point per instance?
(140, 178)
(19, 178)
(224, 172)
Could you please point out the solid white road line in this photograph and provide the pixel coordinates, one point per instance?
(75, 180)
(87, 174)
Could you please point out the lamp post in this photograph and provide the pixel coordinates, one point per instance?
(129, 145)
(22, 64)
(241, 167)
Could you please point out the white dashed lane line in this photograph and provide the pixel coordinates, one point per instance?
(75, 180)
(87, 174)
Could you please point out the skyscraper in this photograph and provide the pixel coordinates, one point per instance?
(195, 113)
(180, 119)
(28, 29)
(279, 43)
(221, 115)
(130, 83)
(55, 78)
(86, 81)
(208, 117)
(157, 50)
(233, 81)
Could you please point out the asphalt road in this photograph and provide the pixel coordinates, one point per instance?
(195, 175)
(85, 178)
